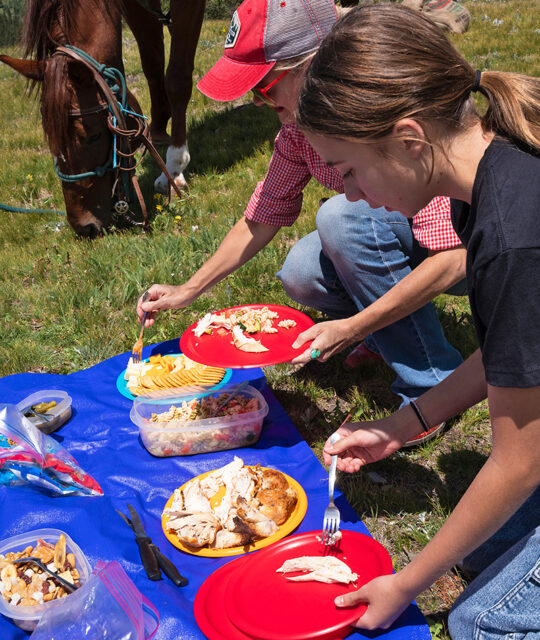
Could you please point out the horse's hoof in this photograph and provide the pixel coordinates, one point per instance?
(162, 185)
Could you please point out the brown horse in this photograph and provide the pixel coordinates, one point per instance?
(74, 112)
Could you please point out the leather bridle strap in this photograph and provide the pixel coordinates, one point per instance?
(139, 136)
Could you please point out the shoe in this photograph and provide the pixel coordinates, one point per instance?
(425, 435)
(359, 355)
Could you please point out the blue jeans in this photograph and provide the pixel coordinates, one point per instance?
(356, 255)
(503, 602)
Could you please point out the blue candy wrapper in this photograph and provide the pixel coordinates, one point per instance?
(28, 456)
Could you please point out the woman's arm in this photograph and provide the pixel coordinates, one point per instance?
(510, 475)
(437, 273)
(365, 442)
(242, 242)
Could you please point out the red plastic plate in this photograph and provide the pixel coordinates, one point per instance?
(209, 606)
(265, 605)
(217, 349)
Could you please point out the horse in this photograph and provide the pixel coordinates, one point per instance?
(75, 116)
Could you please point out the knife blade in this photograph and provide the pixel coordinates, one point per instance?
(148, 557)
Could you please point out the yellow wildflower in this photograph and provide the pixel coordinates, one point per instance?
(158, 207)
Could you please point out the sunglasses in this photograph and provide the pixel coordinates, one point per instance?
(262, 92)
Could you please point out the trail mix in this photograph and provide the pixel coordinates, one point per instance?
(25, 584)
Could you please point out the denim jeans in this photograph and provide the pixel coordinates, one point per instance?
(503, 602)
(355, 256)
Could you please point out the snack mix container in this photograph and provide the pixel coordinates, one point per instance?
(27, 617)
(55, 417)
(181, 437)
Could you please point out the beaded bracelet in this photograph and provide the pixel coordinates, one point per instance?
(419, 415)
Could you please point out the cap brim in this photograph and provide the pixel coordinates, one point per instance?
(228, 80)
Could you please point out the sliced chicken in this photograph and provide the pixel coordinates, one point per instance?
(321, 569)
(196, 530)
(257, 522)
(242, 342)
(277, 504)
(272, 479)
(246, 511)
(244, 484)
(225, 539)
(203, 325)
(194, 499)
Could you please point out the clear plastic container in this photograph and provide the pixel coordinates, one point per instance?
(55, 417)
(188, 437)
(27, 617)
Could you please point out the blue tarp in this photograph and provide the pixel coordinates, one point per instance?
(106, 444)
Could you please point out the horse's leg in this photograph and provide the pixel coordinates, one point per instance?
(187, 17)
(148, 32)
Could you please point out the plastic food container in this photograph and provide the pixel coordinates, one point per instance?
(55, 417)
(27, 617)
(188, 437)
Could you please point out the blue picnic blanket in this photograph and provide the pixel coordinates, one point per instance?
(107, 445)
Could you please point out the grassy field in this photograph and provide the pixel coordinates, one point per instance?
(67, 303)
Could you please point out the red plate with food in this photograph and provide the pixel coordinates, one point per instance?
(272, 605)
(254, 335)
(209, 605)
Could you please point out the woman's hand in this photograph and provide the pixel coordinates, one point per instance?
(328, 337)
(161, 297)
(385, 599)
(364, 442)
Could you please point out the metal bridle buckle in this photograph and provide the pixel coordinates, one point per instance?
(121, 207)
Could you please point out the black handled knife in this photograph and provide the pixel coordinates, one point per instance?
(163, 562)
(169, 569)
(146, 552)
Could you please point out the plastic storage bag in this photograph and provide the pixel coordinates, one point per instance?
(29, 456)
(109, 607)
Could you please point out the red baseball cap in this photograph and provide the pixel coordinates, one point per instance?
(261, 33)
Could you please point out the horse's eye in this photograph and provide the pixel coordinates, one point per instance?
(93, 139)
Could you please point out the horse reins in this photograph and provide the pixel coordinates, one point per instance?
(126, 141)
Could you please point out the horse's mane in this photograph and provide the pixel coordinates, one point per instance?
(47, 23)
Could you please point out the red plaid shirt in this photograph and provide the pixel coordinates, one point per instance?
(277, 200)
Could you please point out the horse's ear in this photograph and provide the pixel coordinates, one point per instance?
(31, 69)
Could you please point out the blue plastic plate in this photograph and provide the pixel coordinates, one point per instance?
(121, 382)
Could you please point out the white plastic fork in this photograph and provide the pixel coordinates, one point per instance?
(136, 351)
(331, 518)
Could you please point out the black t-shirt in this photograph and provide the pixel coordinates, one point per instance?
(501, 230)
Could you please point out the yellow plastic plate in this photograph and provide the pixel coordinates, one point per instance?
(287, 527)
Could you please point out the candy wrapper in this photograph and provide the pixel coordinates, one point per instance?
(28, 456)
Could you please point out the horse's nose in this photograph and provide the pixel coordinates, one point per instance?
(90, 231)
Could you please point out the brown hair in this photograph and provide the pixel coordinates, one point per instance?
(384, 62)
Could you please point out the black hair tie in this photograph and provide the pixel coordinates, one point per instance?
(476, 84)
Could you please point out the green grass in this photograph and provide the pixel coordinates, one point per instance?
(68, 303)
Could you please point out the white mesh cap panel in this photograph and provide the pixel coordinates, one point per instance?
(295, 27)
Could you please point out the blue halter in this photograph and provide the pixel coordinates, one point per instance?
(117, 85)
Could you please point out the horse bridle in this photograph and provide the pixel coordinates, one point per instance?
(126, 141)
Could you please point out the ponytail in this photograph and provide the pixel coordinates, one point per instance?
(513, 106)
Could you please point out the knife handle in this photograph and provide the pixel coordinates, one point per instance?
(169, 569)
(148, 558)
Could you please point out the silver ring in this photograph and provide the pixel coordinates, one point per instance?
(315, 353)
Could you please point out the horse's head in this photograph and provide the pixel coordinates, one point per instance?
(75, 122)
